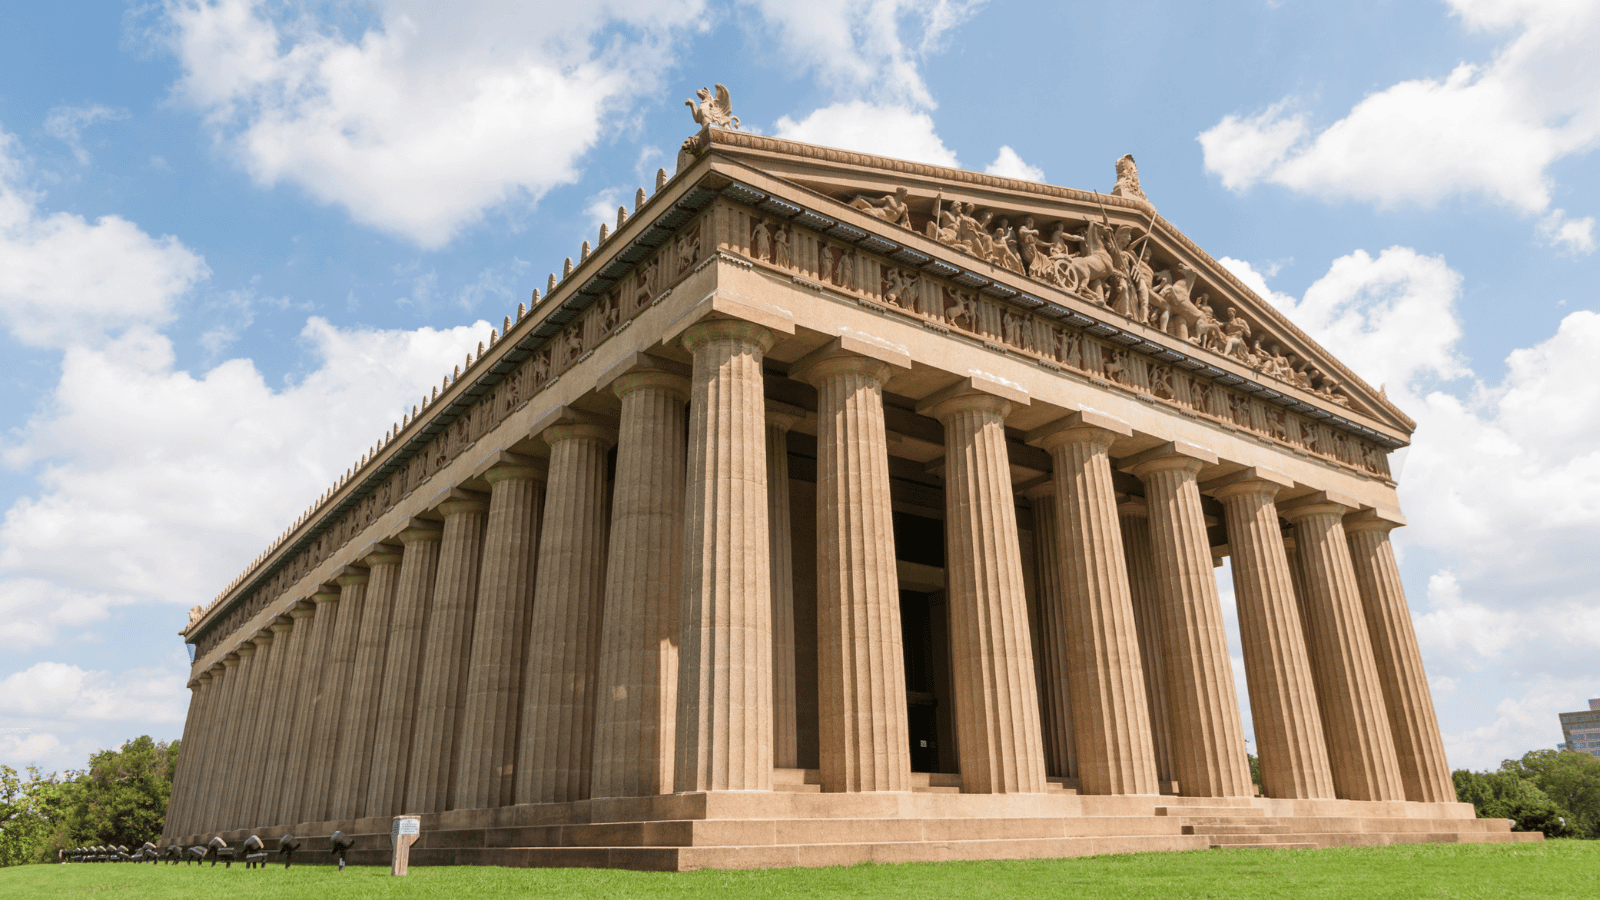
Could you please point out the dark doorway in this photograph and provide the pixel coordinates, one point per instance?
(922, 632)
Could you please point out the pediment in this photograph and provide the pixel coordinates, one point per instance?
(1111, 255)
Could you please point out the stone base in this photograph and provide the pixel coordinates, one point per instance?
(797, 825)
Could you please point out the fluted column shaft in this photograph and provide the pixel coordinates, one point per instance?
(1144, 587)
(196, 819)
(863, 740)
(997, 714)
(397, 706)
(187, 815)
(219, 804)
(1283, 698)
(1110, 718)
(564, 628)
(184, 772)
(485, 773)
(1060, 751)
(267, 715)
(358, 728)
(247, 729)
(446, 652)
(785, 709)
(1418, 745)
(299, 679)
(724, 727)
(1210, 759)
(636, 699)
(332, 688)
(1349, 693)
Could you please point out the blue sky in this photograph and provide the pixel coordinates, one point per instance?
(238, 240)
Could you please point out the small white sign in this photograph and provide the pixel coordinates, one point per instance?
(408, 825)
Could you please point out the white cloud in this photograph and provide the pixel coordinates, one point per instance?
(33, 611)
(62, 691)
(1575, 236)
(1007, 164)
(864, 48)
(430, 116)
(66, 123)
(66, 280)
(1501, 487)
(884, 130)
(1492, 129)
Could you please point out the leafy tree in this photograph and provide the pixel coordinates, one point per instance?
(1507, 795)
(121, 799)
(30, 808)
(1570, 779)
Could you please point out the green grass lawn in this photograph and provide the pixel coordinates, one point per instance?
(1551, 869)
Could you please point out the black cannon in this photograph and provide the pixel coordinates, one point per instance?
(287, 845)
(338, 845)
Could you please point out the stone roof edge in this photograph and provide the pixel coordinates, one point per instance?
(722, 137)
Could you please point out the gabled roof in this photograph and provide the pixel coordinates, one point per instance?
(828, 181)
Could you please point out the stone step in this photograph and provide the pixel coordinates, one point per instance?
(1235, 829)
(1230, 840)
(1243, 809)
(1287, 845)
(1226, 820)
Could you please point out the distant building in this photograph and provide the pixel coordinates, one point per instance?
(1582, 730)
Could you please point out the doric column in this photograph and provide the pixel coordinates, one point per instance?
(785, 724)
(997, 711)
(1055, 719)
(485, 772)
(1417, 743)
(1210, 758)
(206, 760)
(264, 721)
(353, 765)
(1110, 719)
(286, 753)
(246, 731)
(184, 772)
(635, 698)
(1144, 587)
(1283, 697)
(397, 706)
(221, 804)
(313, 659)
(863, 740)
(332, 691)
(1349, 693)
(564, 627)
(446, 652)
(724, 727)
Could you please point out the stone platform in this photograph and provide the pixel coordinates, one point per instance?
(797, 825)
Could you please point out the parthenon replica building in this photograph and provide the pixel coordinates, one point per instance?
(835, 508)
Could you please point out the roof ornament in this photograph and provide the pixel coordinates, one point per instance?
(1128, 179)
(716, 111)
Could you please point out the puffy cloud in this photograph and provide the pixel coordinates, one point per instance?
(884, 130)
(1501, 486)
(1575, 236)
(424, 119)
(58, 714)
(1008, 164)
(66, 280)
(1492, 129)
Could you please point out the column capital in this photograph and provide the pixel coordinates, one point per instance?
(1133, 506)
(1043, 490)
(851, 354)
(326, 594)
(417, 530)
(379, 553)
(246, 649)
(672, 375)
(350, 575)
(729, 309)
(231, 660)
(216, 668)
(1170, 456)
(503, 465)
(600, 434)
(305, 609)
(204, 678)
(652, 380)
(759, 336)
(1373, 520)
(973, 391)
(457, 501)
(785, 416)
(1253, 480)
(1085, 426)
(1325, 503)
(282, 624)
(263, 637)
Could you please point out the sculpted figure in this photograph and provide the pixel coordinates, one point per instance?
(1005, 247)
(942, 227)
(1033, 251)
(195, 612)
(1087, 273)
(1011, 327)
(1208, 332)
(1180, 317)
(761, 240)
(1234, 336)
(1128, 179)
(716, 111)
(780, 248)
(1116, 366)
(891, 208)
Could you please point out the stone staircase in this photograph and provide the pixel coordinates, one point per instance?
(1224, 826)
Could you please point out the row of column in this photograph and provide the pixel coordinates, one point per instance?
(424, 679)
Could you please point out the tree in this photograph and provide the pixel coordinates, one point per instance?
(30, 807)
(1570, 779)
(121, 799)
(1507, 795)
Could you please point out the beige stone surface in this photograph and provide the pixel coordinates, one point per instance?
(863, 743)
(1419, 747)
(564, 628)
(446, 653)
(183, 773)
(312, 676)
(785, 706)
(637, 678)
(1283, 698)
(353, 765)
(1349, 694)
(332, 692)
(1055, 713)
(1110, 718)
(307, 647)
(724, 719)
(485, 773)
(997, 713)
(260, 725)
(219, 788)
(1210, 756)
(1145, 589)
(191, 813)
(402, 669)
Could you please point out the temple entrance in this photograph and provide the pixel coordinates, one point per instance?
(925, 641)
